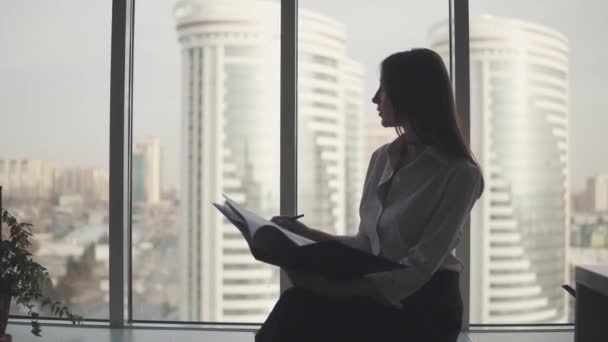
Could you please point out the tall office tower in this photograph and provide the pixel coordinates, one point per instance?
(330, 107)
(231, 135)
(138, 178)
(89, 182)
(230, 129)
(354, 95)
(26, 179)
(147, 165)
(595, 195)
(519, 134)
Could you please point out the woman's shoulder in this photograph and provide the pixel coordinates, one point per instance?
(461, 172)
(456, 164)
(383, 148)
(380, 152)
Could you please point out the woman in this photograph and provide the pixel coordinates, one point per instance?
(417, 195)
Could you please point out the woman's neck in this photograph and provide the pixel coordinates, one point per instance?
(405, 151)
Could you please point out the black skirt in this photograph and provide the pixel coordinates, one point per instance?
(433, 313)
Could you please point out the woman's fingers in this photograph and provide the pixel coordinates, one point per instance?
(281, 220)
(285, 222)
(276, 218)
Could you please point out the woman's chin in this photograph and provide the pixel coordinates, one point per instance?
(385, 123)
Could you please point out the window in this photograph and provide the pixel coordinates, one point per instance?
(206, 115)
(205, 123)
(536, 88)
(54, 95)
(339, 54)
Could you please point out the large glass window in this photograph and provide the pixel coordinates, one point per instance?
(54, 124)
(205, 123)
(536, 116)
(339, 55)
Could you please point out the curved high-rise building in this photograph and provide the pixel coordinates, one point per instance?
(519, 133)
(230, 144)
(330, 125)
(355, 148)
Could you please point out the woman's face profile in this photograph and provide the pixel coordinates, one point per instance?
(384, 107)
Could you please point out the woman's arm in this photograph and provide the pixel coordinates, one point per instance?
(317, 283)
(355, 241)
(439, 237)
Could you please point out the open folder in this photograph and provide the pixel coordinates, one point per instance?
(275, 245)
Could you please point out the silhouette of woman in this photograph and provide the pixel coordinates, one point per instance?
(418, 193)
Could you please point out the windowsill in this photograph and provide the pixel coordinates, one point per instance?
(522, 334)
(101, 324)
(56, 331)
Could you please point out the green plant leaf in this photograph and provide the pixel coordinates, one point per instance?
(28, 280)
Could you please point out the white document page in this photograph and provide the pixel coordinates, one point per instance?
(255, 222)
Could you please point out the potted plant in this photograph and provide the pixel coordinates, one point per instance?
(22, 279)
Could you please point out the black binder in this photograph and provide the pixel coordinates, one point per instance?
(272, 244)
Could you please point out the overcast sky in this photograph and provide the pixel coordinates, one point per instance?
(55, 67)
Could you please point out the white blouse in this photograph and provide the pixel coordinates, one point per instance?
(417, 218)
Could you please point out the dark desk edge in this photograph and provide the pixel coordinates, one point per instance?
(594, 277)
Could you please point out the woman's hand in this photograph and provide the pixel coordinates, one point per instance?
(301, 229)
(292, 225)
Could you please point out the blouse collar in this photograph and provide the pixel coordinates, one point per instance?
(392, 151)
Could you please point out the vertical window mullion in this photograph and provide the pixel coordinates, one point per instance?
(289, 81)
(117, 177)
(127, 233)
(462, 93)
(120, 107)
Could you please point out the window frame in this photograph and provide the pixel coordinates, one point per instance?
(121, 118)
(120, 154)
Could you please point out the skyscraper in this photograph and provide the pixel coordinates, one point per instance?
(147, 170)
(595, 195)
(90, 183)
(27, 179)
(354, 124)
(519, 133)
(330, 131)
(138, 178)
(230, 130)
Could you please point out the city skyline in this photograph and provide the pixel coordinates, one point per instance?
(156, 107)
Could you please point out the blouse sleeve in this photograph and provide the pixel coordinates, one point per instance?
(358, 241)
(439, 237)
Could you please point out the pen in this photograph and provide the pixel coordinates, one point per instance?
(296, 217)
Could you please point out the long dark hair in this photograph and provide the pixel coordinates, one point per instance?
(419, 88)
